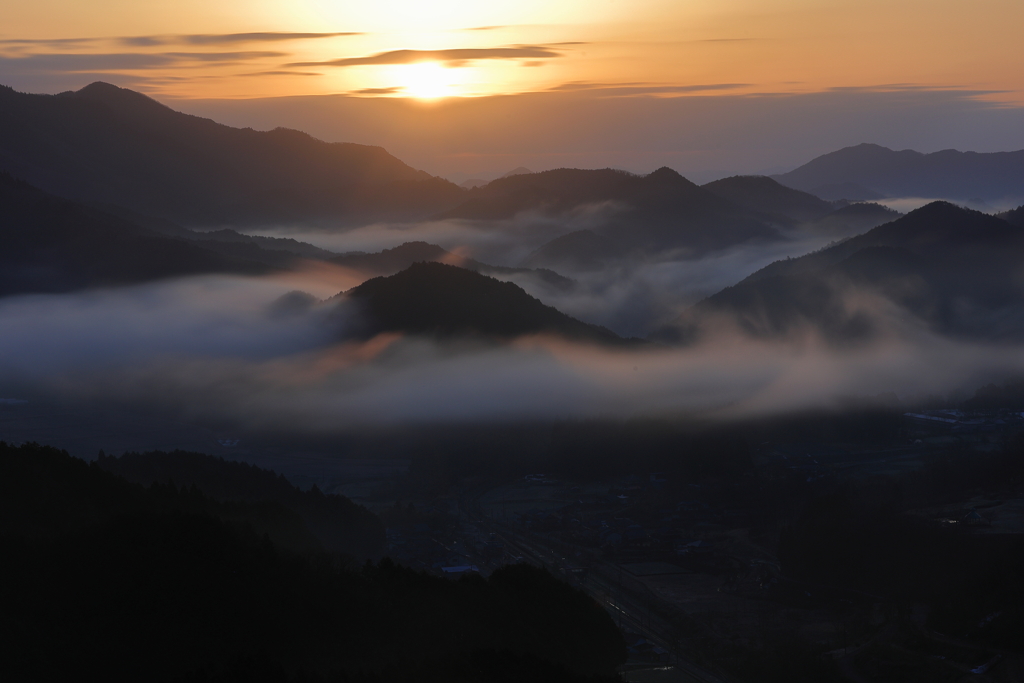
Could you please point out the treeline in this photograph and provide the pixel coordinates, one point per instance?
(108, 579)
(340, 525)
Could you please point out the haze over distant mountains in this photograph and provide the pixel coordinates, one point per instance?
(869, 171)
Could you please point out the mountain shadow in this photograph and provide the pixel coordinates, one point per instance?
(49, 244)
(440, 300)
(115, 146)
(642, 215)
(868, 169)
(949, 269)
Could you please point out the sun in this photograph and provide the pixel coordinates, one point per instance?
(428, 80)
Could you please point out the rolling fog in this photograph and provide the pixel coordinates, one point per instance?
(257, 353)
(632, 299)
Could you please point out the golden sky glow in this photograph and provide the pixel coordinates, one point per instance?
(389, 48)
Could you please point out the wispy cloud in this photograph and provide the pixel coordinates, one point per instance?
(127, 61)
(378, 91)
(229, 38)
(641, 88)
(282, 72)
(454, 56)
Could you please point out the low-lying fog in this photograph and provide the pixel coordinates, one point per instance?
(252, 352)
(632, 299)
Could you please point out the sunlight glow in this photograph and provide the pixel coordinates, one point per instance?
(427, 80)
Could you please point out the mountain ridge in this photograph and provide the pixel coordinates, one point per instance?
(112, 145)
(947, 174)
(952, 269)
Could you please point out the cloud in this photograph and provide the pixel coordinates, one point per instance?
(378, 91)
(228, 38)
(125, 61)
(639, 88)
(282, 73)
(249, 353)
(456, 56)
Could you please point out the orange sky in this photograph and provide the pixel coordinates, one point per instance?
(464, 88)
(664, 48)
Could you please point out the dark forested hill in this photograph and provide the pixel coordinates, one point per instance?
(761, 193)
(49, 244)
(950, 269)
(339, 524)
(103, 579)
(644, 214)
(994, 176)
(1014, 216)
(441, 300)
(112, 145)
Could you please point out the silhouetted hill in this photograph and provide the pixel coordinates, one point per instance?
(49, 244)
(993, 176)
(761, 193)
(441, 300)
(1014, 216)
(953, 270)
(644, 214)
(112, 145)
(391, 261)
(852, 219)
(339, 524)
(849, 191)
(108, 580)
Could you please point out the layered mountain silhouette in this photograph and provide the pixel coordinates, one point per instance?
(852, 219)
(872, 172)
(1014, 216)
(116, 146)
(801, 211)
(952, 270)
(50, 244)
(391, 261)
(440, 300)
(645, 214)
(761, 193)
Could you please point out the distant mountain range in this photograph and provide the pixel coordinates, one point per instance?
(872, 172)
(802, 211)
(114, 146)
(952, 270)
(439, 300)
(646, 214)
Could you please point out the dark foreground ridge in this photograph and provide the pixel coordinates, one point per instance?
(339, 525)
(103, 579)
(440, 300)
